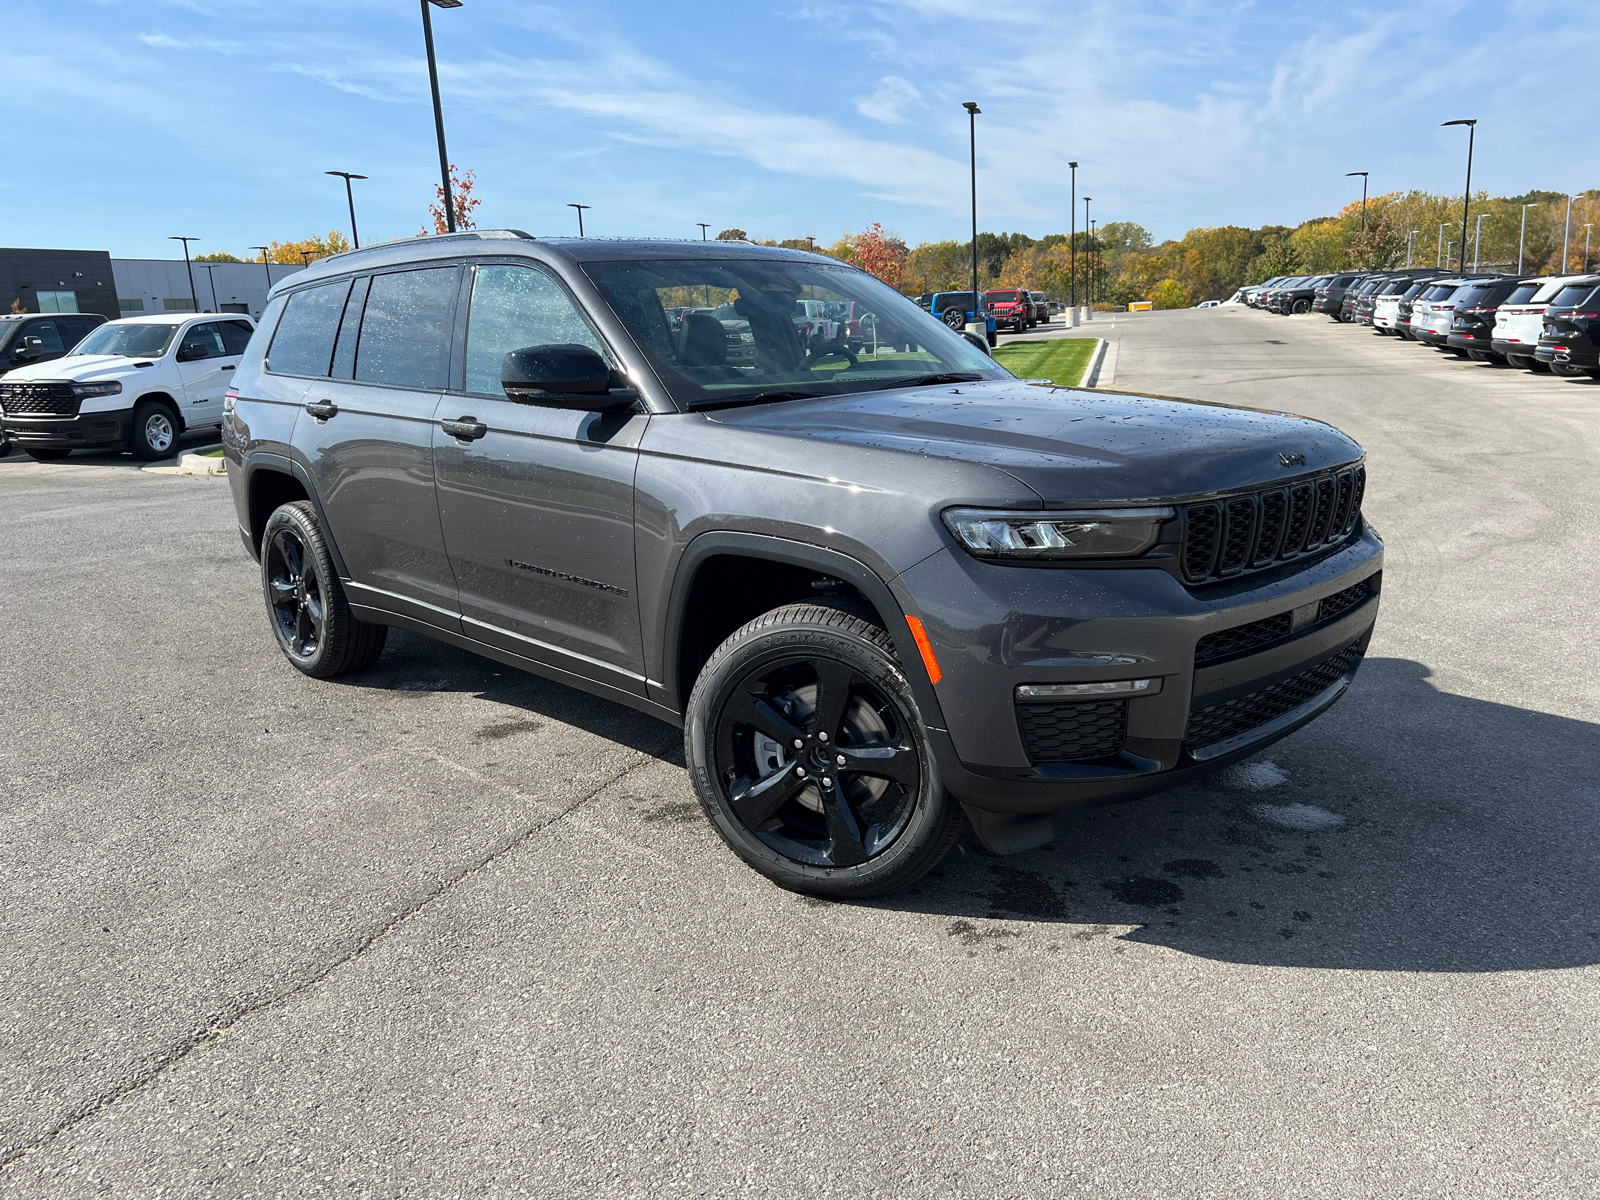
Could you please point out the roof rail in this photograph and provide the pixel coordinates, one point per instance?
(473, 235)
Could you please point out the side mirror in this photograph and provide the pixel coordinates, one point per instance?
(190, 351)
(977, 341)
(562, 376)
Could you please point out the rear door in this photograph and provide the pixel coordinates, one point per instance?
(367, 436)
(538, 509)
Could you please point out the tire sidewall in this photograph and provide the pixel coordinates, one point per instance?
(904, 857)
(304, 525)
(136, 434)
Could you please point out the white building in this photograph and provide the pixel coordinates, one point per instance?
(154, 285)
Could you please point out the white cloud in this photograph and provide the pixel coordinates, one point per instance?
(889, 102)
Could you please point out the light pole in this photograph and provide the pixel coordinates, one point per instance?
(580, 208)
(703, 228)
(265, 268)
(811, 243)
(438, 110)
(305, 258)
(211, 282)
(1088, 251)
(194, 299)
(1477, 242)
(1439, 259)
(1566, 238)
(1072, 240)
(355, 238)
(1466, 199)
(1586, 229)
(1363, 175)
(972, 127)
(1523, 240)
(1410, 237)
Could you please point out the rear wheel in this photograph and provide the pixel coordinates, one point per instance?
(306, 604)
(1566, 370)
(808, 753)
(154, 433)
(47, 453)
(1483, 356)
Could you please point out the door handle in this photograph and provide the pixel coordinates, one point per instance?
(323, 409)
(226, 367)
(467, 428)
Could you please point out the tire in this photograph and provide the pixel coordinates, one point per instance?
(1566, 370)
(306, 606)
(1301, 306)
(153, 433)
(1537, 367)
(787, 810)
(47, 453)
(1483, 356)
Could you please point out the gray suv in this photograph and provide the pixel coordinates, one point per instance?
(884, 590)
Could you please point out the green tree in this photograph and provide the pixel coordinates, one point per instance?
(217, 256)
(1169, 293)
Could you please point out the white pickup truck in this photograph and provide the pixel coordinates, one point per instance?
(141, 382)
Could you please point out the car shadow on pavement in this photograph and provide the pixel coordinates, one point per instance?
(1406, 830)
(187, 444)
(414, 663)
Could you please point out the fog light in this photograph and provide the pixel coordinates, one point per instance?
(1056, 691)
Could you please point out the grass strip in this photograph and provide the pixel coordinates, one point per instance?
(1061, 360)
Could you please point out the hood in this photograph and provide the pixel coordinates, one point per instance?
(77, 368)
(1070, 446)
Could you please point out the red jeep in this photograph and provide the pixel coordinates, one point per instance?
(1010, 306)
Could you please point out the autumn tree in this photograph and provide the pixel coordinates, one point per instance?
(313, 247)
(733, 235)
(217, 256)
(878, 253)
(461, 199)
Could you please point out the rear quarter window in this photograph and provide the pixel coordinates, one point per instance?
(303, 341)
(405, 328)
(1523, 294)
(1572, 295)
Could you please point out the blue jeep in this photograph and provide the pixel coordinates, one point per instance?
(957, 310)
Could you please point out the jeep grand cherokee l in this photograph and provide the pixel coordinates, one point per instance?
(883, 594)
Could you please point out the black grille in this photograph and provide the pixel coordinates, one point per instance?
(1228, 643)
(1076, 732)
(1218, 722)
(1336, 605)
(38, 399)
(1252, 531)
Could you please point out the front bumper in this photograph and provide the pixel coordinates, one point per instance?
(995, 627)
(82, 431)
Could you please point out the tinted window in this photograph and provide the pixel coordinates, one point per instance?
(1572, 295)
(1468, 297)
(203, 341)
(303, 341)
(405, 328)
(344, 353)
(48, 332)
(516, 307)
(1411, 292)
(1523, 294)
(236, 336)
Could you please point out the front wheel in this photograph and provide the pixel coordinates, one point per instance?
(808, 753)
(154, 433)
(306, 604)
(1301, 306)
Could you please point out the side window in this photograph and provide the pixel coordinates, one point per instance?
(516, 307)
(235, 336)
(48, 332)
(203, 341)
(405, 328)
(303, 341)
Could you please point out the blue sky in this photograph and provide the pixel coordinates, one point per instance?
(129, 120)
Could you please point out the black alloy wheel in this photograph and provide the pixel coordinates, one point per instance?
(808, 754)
(306, 605)
(954, 318)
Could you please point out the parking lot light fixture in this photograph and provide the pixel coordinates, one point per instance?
(1586, 230)
(1439, 260)
(438, 110)
(580, 208)
(703, 227)
(972, 132)
(1072, 241)
(1088, 250)
(1477, 240)
(1466, 197)
(355, 238)
(1522, 241)
(1566, 239)
(1410, 238)
(1363, 175)
(194, 297)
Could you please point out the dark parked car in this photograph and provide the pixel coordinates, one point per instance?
(1041, 307)
(27, 339)
(1298, 298)
(1350, 306)
(1472, 323)
(1331, 294)
(1419, 292)
(1011, 308)
(881, 595)
(1571, 339)
(958, 310)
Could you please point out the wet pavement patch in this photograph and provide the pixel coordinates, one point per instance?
(1028, 893)
(971, 935)
(1144, 891)
(1193, 868)
(679, 813)
(507, 729)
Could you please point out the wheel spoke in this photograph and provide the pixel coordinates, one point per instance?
(843, 829)
(833, 695)
(757, 711)
(302, 630)
(898, 763)
(282, 588)
(757, 803)
(291, 556)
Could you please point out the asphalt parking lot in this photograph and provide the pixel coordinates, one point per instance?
(448, 930)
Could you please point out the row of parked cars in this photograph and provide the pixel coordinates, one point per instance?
(1013, 309)
(1537, 323)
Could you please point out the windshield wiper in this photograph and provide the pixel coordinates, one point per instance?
(931, 380)
(751, 398)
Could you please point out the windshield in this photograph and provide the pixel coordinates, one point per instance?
(1002, 297)
(130, 341)
(770, 336)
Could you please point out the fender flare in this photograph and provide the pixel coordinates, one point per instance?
(800, 554)
(283, 464)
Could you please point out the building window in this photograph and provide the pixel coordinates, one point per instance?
(134, 305)
(181, 304)
(58, 302)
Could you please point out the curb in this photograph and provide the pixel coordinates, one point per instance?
(192, 464)
(1091, 372)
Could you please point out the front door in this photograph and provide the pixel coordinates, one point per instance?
(206, 368)
(367, 431)
(538, 511)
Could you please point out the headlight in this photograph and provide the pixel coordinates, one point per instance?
(96, 389)
(1098, 533)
